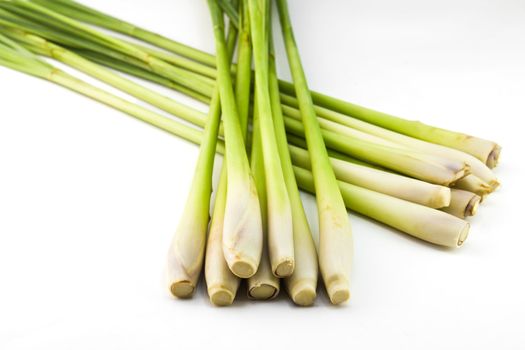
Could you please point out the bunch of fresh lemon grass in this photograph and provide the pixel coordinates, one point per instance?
(417, 178)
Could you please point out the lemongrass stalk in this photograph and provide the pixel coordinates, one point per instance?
(335, 242)
(478, 168)
(302, 284)
(230, 11)
(222, 283)
(92, 16)
(264, 285)
(65, 38)
(44, 15)
(297, 141)
(280, 227)
(19, 26)
(66, 9)
(413, 190)
(154, 98)
(10, 19)
(463, 203)
(243, 76)
(417, 220)
(486, 151)
(16, 57)
(378, 179)
(39, 68)
(179, 61)
(242, 235)
(474, 184)
(422, 166)
(186, 252)
(386, 212)
(141, 73)
(388, 154)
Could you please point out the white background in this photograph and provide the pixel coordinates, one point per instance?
(89, 197)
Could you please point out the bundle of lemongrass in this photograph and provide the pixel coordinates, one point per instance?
(417, 178)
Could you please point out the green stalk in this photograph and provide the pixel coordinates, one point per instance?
(426, 167)
(280, 227)
(50, 18)
(325, 115)
(405, 216)
(141, 73)
(92, 16)
(425, 223)
(413, 190)
(65, 8)
(30, 64)
(222, 283)
(230, 11)
(335, 242)
(302, 284)
(264, 285)
(486, 151)
(242, 236)
(186, 253)
(165, 103)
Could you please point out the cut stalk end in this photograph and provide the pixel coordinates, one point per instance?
(220, 296)
(182, 289)
(338, 291)
(263, 291)
(493, 157)
(303, 293)
(284, 268)
(463, 203)
(244, 268)
(472, 206)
